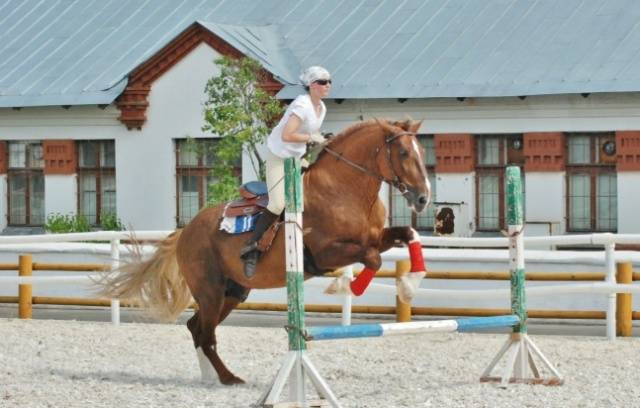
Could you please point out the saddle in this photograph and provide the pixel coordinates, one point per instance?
(254, 199)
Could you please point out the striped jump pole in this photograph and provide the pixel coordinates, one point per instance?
(296, 366)
(519, 348)
(391, 329)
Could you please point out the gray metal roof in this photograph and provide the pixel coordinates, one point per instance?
(69, 52)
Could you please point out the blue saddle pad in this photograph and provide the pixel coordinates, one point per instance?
(239, 224)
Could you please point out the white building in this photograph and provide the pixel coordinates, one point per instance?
(94, 104)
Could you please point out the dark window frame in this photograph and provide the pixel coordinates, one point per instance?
(596, 166)
(201, 170)
(508, 155)
(99, 170)
(29, 171)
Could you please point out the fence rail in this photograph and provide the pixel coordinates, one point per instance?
(606, 240)
(403, 312)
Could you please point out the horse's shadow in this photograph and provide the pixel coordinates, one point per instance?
(124, 377)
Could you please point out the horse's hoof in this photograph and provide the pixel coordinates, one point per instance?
(339, 286)
(408, 285)
(233, 380)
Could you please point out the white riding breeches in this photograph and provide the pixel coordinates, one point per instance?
(275, 182)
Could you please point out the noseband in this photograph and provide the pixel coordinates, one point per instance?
(396, 182)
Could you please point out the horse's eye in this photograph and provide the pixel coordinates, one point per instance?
(404, 153)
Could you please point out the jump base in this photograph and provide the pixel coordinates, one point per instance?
(520, 363)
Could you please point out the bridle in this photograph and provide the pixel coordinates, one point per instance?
(388, 141)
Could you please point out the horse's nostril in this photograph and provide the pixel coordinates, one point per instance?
(422, 199)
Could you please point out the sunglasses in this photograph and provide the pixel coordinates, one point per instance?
(322, 81)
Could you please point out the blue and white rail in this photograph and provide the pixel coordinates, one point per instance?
(394, 329)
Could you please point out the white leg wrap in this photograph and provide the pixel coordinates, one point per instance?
(408, 284)
(416, 236)
(339, 286)
(206, 368)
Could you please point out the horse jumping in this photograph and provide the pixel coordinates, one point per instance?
(344, 224)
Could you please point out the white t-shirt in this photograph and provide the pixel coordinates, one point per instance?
(303, 108)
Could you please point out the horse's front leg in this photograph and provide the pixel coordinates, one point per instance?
(408, 283)
(369, 256)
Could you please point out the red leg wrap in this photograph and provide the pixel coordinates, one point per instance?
(360, 283)
(417, 261)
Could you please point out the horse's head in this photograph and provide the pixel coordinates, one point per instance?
(405, 164)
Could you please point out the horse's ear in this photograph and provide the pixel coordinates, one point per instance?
(414, 126)
(385, 125)
(404, 125)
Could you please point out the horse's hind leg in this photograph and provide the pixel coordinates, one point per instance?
(234, 295)
(206, 368)
(208, 318)
(207, 372)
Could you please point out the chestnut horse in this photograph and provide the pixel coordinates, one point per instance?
(343, 220)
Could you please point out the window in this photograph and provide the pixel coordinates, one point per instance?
(591, 182)
(26, 183)
(194, 162)
(400, 213)
(494, 152)
(96, 179)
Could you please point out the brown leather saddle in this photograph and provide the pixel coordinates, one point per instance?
(254, 198)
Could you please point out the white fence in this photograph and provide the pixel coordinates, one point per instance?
(607, 259)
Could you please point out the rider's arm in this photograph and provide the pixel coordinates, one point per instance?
(290, 131)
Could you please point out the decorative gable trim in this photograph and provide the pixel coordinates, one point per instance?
(133, 102)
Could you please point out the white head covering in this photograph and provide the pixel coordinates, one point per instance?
(313, 74)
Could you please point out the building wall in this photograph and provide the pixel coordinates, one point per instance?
(61, 194)
(145, 159)
(561, 113)
(545, 203)
(628, 199)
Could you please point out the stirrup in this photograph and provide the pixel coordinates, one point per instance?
(250, 263)
(247, 249)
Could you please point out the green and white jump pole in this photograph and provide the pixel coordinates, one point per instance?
(296, 366)
(519, 348)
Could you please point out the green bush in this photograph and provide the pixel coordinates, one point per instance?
(110, 222)
(64, 223)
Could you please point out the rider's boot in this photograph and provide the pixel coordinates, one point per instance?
(250, 253)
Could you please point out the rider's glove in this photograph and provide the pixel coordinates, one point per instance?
(316, 137)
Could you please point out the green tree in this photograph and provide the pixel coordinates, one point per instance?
(239, 111)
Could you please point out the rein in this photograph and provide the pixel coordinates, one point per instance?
(395, 182)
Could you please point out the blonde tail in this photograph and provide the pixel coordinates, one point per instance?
(156, 283)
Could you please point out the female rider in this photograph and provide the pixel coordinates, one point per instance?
(299, 125)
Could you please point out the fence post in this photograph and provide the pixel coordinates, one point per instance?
(115, 263)
(347, 300)
(403, 310)
(624, 324)
(610, 262)
(25, 294)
